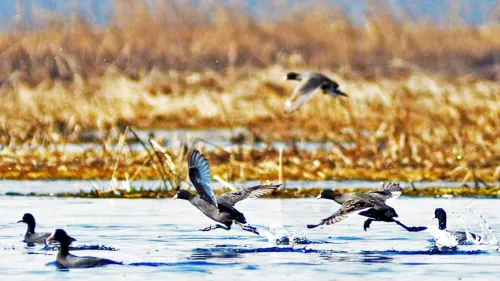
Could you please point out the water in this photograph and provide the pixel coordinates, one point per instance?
(74, 186)
(159, 240)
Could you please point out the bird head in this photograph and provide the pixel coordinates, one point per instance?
(60, 236)
(28, 219)
(327, 194)
(440, 215)
(183, 194)
(292, 76)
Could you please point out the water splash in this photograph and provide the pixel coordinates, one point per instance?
(81, 247)
(470, 240)
(279, 235)
(442, 238)
(486, 231)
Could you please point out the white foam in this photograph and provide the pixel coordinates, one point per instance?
(442, 238)
(279, 235)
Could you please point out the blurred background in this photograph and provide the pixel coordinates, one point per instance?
(422, 79)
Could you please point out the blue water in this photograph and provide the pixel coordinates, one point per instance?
(159, 240)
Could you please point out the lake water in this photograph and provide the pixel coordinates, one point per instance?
(159, 240)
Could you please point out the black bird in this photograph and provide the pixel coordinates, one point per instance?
(32, 237)
(309, 83)
(66, 260)
(460, 236)
(371, 205)
(218, 208)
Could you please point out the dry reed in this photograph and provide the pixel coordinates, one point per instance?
(423, 101)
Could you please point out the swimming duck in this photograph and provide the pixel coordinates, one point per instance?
(218, 208)
(309, 83)
(66, 260)
(371, 205)
(460, 236)
(32, 237)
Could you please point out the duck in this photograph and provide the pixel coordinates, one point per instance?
(66, 260)
(218, 208)
(370, 204)
(32, 237)
(309, 83)
(460, 236)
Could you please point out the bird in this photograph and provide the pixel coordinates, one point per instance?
(460, 237)
(309, 83)
(371, 205)
(218, 208)
(32, 237)
(66, 260)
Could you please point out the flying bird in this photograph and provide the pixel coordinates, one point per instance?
(219, 208)
(309, 83)
(371, 205)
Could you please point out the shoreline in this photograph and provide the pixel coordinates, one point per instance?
(436, 192)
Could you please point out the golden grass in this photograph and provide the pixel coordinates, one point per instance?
(423, 103)
(169, 165)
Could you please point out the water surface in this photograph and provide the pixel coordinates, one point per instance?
(158, 239)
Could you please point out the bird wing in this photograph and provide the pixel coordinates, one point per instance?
(199, 174)
(349, 207)
(231, 198)
(389, 190)
(303, 92)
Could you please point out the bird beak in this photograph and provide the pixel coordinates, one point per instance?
(20, 221)
(175, 196)
(340, 93)
(50, 238)
(319, 196)
(285, 78)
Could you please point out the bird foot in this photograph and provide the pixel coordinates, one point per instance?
(367, 224)
(213, 227)
(208, 228)
(250, 229)
(416, 228)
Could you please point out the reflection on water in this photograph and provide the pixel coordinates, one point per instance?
(161, 236)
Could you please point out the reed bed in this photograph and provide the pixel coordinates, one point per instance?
(168, 163)
(424, 101)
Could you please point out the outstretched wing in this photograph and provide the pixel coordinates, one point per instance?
(199, 174)
(350, 207)
(302, 93)
(388, 190)
(231, 198)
